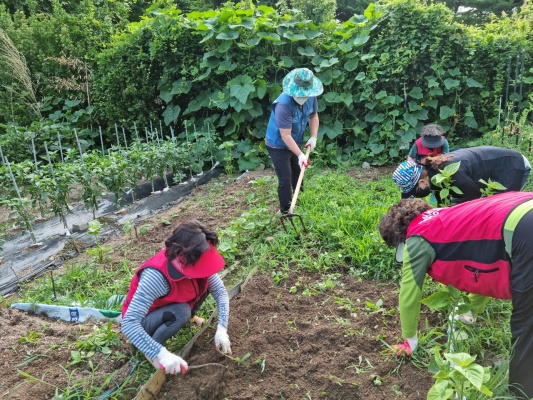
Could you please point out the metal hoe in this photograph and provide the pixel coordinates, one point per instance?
(291, 215)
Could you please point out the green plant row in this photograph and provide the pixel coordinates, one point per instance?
(49, 183)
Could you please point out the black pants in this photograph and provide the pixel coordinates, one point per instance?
(164, 322)
(521, 365)
(288, 171)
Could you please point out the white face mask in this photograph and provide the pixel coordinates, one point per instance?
(300, 100)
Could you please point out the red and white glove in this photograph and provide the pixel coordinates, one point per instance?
(407, 347)
(311, 143)
(170, 363)
(302, 161)
(222, 342)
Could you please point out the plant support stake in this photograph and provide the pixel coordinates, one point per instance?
(507, 86)
(135, 128)
(60, 147)
(116, 133)
(212, 140)
(2, 155)
(34, 154)
(172, 134)
(101, 141)
(197, 150)
(521, 83)
(125, 141)
(188, 152)
(79, 145)
(24, 212)
(61, 214)
(514, 86)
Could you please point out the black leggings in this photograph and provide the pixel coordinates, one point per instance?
(288, 171)
(521, 365)
(164, 322)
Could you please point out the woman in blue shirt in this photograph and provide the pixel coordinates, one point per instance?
(292, 111)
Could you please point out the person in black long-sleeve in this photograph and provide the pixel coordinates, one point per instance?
(505, 166)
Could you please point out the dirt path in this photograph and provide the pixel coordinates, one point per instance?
(324, 345)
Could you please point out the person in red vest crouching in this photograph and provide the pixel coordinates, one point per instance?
(430, 143)
(483, 247)
(166, 291)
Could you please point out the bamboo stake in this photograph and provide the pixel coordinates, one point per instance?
(61, 214)
(197, 149)
(505, 103)
(79, 145)
(101, 141)
(135, 128)
(211, 144)
(125, 141)
(60, 146)
(116, 133)
(188, 152)
(23, 208)
(34, 154)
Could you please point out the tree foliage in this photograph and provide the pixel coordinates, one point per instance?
(386, 72)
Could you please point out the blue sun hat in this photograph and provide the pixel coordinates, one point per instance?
(301, 82)
(406, 176)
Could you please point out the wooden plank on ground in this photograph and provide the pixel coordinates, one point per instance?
(151, 389)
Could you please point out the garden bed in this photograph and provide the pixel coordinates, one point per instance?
(315, 343)
(308, 336)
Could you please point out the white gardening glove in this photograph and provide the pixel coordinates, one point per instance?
(311, 143)
(302, 161)
(171, 363)
(407, 347)
(466, 318)
(222, 342)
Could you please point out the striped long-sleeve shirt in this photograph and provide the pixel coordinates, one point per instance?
(153, 285)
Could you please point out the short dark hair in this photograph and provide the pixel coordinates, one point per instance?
(189, 241)
(393, 225)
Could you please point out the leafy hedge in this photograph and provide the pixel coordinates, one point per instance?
(386, 73)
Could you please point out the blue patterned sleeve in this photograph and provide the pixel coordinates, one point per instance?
(219, 292)
(152, 285)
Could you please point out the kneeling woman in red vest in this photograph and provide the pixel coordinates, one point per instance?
(483, 247)
(166, 291)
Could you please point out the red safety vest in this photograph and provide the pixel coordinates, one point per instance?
(468, 243)
(183, 289)
(425, 151)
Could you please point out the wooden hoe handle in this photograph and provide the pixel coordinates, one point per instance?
(299, 184)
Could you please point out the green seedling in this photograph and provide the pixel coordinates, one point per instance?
(361, 368)
(373, 308)
(228, 157)
(32, 338)
(458, 376)
(444, 180)
(128, 228)
(100, 253)
(101, 339)
(292, 325)
(238, 360)
(376, 380)
(492, 187)
(261, 361)
(143, 230)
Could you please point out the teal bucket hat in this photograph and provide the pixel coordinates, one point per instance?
(301, 82)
